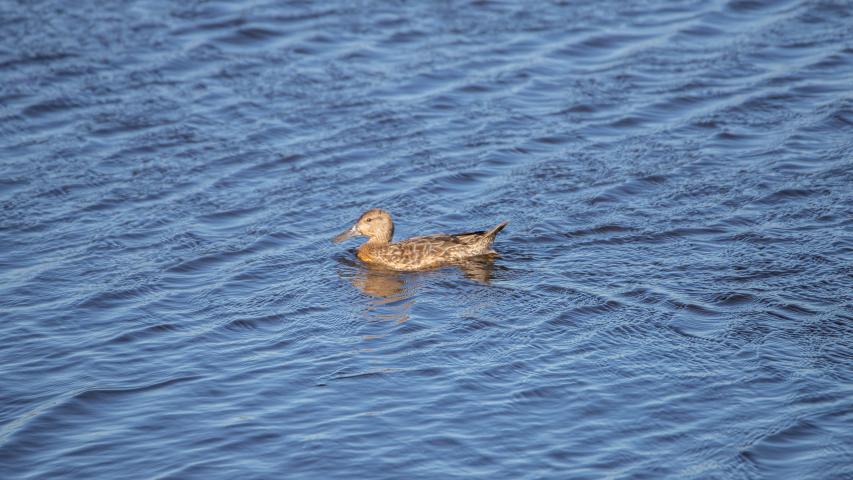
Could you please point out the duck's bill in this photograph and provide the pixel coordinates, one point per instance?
(348, 233)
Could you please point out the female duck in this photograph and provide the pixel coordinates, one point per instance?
(415, 253)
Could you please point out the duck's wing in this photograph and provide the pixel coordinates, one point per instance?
(467, 238)
(422, 252)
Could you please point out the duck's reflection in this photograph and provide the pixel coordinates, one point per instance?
(480, 269)
(393, 293)
(381, 283)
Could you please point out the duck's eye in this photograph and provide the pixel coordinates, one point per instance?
(368, 220)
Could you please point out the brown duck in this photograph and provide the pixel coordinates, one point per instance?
(416, 253)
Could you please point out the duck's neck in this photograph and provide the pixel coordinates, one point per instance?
(381, 238)
(367, 249)
(378, 240)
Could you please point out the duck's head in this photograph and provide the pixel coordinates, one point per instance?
(375, 224)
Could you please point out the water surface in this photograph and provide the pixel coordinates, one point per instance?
(673, 298)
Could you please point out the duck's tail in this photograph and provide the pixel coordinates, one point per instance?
(490, 234)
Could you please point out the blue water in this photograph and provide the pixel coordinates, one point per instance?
(673, 299)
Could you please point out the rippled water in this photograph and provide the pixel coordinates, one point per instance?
(673, 297)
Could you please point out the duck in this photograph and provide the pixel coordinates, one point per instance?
(416, 253)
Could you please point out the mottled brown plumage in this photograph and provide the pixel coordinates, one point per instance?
(417, 253)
